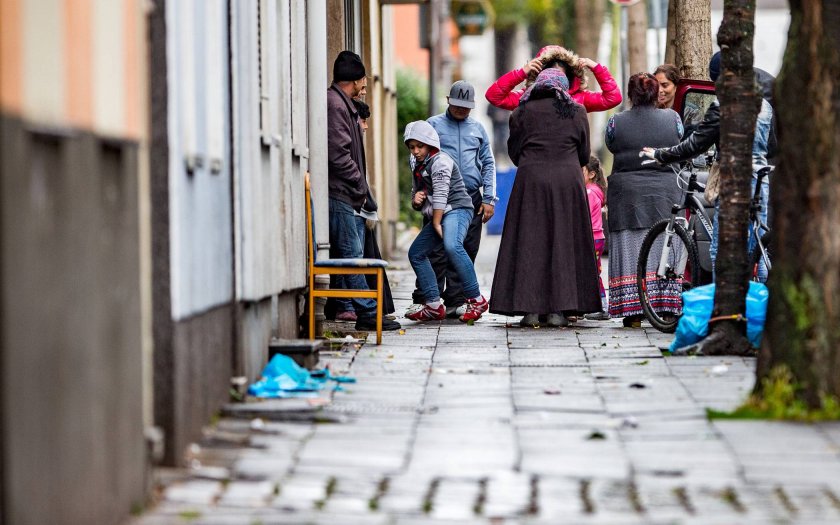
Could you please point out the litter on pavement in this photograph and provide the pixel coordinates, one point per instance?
(282, 378)
(697, 310)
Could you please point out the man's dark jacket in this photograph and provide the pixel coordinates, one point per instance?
(706, 134)
(347, 178)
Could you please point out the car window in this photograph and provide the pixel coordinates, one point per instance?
(693, 111)
(695, 106)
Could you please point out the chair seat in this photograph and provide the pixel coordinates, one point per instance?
(351, 263)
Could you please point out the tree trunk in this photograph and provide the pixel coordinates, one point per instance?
(637, 25)
(739, 106)
(693, 37)
(671, 33)
(589, 17)
(801, 330)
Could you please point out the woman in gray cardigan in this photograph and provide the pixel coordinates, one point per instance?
(638, 196)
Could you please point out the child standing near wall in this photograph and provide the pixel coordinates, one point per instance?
(596, 189)
(438, 191)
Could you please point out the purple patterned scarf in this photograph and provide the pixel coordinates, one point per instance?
(551, 82)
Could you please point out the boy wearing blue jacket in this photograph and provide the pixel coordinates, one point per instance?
(438, 191)
(465, 140)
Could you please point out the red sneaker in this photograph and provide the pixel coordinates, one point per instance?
(427, 313)
(475, 307)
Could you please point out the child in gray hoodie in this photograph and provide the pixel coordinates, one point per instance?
(438, 192)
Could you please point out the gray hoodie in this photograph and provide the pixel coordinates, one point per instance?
(438, 174)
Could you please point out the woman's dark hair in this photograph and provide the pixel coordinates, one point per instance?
(594, 166)
(362, 108)
(567, 69)
(642, 88)
(670, 71)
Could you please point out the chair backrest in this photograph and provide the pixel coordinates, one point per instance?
(310, 226)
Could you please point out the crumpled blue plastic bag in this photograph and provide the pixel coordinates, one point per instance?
(282, 378)
(697, 310)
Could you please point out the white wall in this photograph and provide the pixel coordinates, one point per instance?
(771, 29)
(201, 254)
(270, 138)
(478, 67)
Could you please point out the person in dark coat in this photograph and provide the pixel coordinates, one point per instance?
(546, 263)
(348, 187)
(639, 196)
(369, 213)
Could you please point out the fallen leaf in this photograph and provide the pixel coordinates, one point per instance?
(402, 331)
(642, 363)
(596, 434)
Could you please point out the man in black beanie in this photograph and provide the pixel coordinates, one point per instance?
(348, 187)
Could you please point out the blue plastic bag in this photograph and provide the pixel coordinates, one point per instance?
(697, 310)
(282, 378)
(757, 298)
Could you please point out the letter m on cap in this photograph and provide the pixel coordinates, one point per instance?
(463, 94)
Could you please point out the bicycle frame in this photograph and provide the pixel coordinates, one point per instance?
(757, 226)
(695, 208)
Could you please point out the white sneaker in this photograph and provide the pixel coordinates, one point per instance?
(414, 308)
(530, 320)
(557, 320)
(456, 311)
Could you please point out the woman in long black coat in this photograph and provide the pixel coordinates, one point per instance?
(546, 261)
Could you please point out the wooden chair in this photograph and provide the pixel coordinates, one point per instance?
(340, 267)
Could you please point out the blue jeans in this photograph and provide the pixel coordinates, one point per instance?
(455, 225)
(751, 241)
(347, 237)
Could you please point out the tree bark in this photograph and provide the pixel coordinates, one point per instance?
(671, 33)
(739, 106)
(692, 37)
(637, 25)
(589, 17)
(804, 310)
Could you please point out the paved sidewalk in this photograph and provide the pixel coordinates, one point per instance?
(493, 423)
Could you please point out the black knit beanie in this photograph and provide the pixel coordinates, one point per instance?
(714, 67)
(348, 66)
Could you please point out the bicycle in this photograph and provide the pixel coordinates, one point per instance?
(669, 259)
(760, 253)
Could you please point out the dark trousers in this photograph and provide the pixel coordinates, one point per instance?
(452, 291)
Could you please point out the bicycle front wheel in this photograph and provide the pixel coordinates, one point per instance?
(668, 265)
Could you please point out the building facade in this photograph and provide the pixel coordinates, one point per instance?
(152, 223)
(74, 256)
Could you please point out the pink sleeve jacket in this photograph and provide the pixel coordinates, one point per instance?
(502, 95)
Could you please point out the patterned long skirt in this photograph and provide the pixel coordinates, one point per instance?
(624, 295)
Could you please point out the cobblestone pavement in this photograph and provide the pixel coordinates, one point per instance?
(493, 423)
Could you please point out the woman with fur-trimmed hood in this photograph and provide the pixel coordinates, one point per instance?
(546, 263)
(502, 95)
